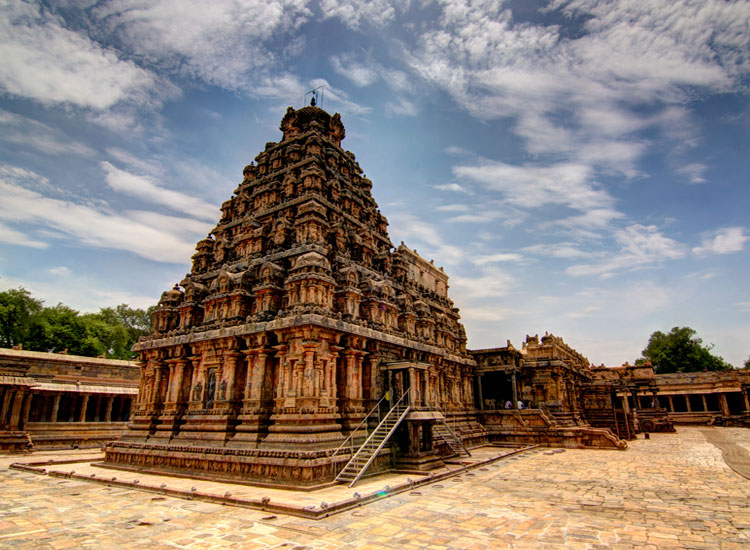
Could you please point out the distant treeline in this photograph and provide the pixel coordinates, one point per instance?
(26, 322)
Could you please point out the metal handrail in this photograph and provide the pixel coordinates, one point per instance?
(452, 432)
(385, 439)
(350, 439)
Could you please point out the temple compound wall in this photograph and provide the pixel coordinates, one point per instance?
(298, 318)
(721, 397)
(50, 400)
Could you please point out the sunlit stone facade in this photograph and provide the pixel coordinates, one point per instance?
(297, 317)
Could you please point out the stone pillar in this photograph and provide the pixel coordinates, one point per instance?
(179, 376)
(15, 413)
(7, 400)
(412, 387)
(26, 410)
(84, 405)
(724, 405)
(156, 390)
(745, 395)
(634, 395)
(671, 404)
(479, 392)
(108, 414)
(687, 403)
(515, 389)
(230, 360)
(705, 403)
(259, 374)
(55, 408)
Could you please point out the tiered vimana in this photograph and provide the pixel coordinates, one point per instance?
(297, 318)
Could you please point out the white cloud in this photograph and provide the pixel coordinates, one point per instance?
(401, 106)
(560, 250)
(11, 236)
(534, 186)
(25, 131)
(60, 270)
(145, 188)
(581, 97)
(354, 13)
(359, 73)
(489, 313)
(498, 258)
(455, 187)
(223, 42)
(491, 283)
(424, 234)
(98, 227)
(723, 241)
(45, 62)
(694, 172)
(640, 246)
(453, 208)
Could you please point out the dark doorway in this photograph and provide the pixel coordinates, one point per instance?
(210, 388)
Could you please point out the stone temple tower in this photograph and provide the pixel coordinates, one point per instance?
(297, 317)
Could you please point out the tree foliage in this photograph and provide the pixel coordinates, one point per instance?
(17, 308)
(681, 350)
(110, 332)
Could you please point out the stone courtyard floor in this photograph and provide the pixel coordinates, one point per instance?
(671, 491)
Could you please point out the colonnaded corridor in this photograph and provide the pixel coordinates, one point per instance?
(674, 490)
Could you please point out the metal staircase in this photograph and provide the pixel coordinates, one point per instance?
(358, 464)
(442, 432)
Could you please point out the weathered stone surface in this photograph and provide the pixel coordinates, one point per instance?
(52, 400)
(297, 316)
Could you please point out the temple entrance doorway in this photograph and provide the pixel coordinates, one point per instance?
(497, 390)
(210, 388)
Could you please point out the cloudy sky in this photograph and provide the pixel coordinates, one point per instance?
(577, 166)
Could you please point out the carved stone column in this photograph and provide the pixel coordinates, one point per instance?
(26, 410)
(178, 379)
(8, 396)
(84, 406)
(15, 413)
(156, 390)
(55, 407)
(230, 374)
(108, 414)
(412, 387)
(723, 404)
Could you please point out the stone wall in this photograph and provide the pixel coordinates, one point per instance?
(52, 400)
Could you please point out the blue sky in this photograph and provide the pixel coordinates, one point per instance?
(578, 167)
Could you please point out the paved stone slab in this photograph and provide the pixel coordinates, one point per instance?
(672, 491)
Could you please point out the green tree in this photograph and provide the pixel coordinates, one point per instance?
(17, 309)
(124, 326)
(681, 350)
(747, 363)
(60, 328)
(111, 331)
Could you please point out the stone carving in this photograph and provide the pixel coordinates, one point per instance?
(295, 306)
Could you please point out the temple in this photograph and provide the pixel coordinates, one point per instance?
(299, 318)
(303, 348)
